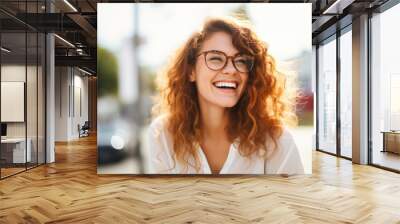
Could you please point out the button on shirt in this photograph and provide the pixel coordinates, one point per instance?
(284, 160)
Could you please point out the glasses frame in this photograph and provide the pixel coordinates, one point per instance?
(227, 59)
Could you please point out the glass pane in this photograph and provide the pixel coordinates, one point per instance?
(31, 85)
(13, 89)
(386, 89)
(346, 94)
(41, 98)
(327, 97)
(31, 98)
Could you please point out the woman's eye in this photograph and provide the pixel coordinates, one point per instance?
(241, 61)
(215, 59)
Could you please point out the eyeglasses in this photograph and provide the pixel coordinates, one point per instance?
(217, 60)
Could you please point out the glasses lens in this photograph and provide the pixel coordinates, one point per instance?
(243, 63)
(215, 60)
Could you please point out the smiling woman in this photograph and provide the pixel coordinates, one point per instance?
(223, 108)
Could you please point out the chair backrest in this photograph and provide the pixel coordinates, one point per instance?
(86, 124)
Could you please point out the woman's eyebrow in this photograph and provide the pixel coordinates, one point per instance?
(237, 52)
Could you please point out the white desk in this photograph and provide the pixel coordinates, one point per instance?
(19, 149)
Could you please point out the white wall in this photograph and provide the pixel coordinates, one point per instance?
(16, 73)
(33, 126)
(71, 93)
(62, 81)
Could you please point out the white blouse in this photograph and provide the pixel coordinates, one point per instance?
(285, 160)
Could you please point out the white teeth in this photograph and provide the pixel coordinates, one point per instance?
(225, 84)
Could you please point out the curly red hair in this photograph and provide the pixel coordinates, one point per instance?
(262, 111)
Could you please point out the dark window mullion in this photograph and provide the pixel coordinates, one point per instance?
(369, 98)
(316, 96)
(37, 90)
(338, 98)
(44, 72)
(26, 86)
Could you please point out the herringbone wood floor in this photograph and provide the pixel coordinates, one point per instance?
(70, 191)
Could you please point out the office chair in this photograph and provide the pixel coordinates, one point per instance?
(84, 130)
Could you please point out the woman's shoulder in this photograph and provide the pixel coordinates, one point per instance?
(286, 143)
(284, 140)
(286, 136)
(158, 124)
(286, 159)
(159, 146)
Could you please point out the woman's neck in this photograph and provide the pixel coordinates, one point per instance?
(214, 120)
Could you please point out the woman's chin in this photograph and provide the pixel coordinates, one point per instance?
(220, 101)
(226, 104)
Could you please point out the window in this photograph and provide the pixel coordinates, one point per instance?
(22, 77)
(385, 89)
(327, 96)
(346, 93)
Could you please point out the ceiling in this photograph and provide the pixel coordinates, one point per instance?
(76, 22)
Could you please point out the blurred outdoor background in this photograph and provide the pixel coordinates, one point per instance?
(135, 42)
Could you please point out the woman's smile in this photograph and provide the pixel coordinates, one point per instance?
(227, 87)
